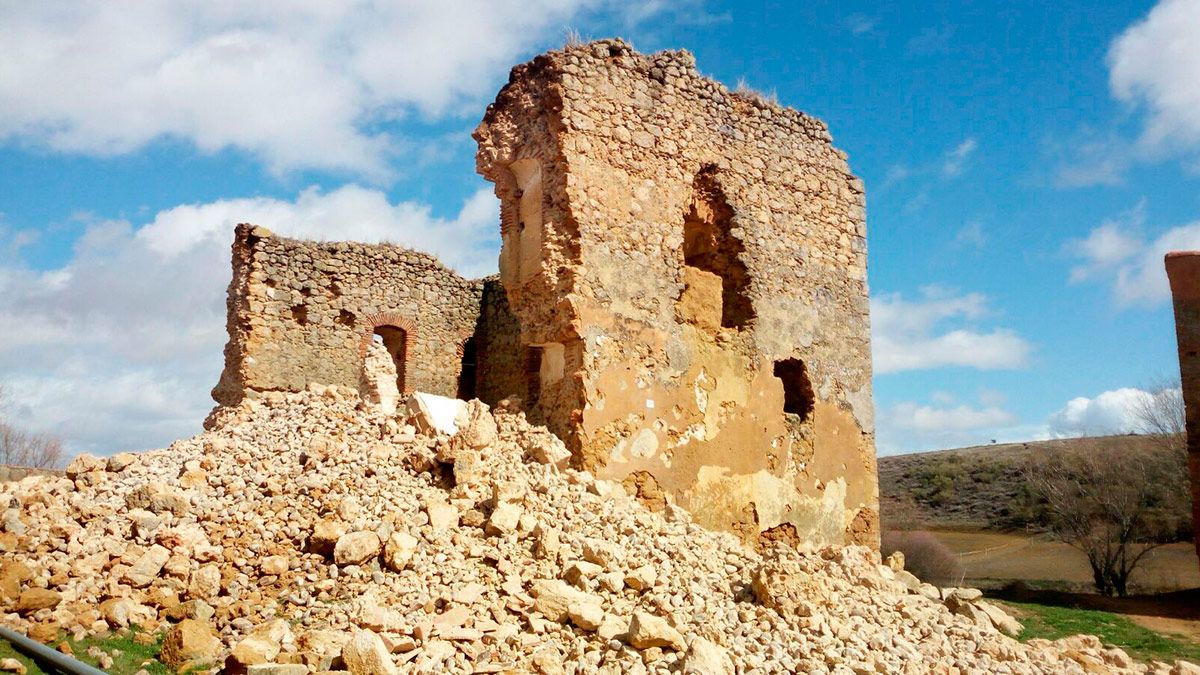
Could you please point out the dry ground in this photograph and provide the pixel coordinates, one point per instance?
(992, 559)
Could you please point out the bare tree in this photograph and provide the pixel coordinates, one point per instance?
(1160, 415)
(1112, 502)
(22, 448)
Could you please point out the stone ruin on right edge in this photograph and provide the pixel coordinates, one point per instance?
(688, 268)
(1183, 272)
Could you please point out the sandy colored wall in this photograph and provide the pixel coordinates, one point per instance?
(1183, 271)
(300, 312)
(626, 145)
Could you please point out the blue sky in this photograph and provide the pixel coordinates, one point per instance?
(1026, 164)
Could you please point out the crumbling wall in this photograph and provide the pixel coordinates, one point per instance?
(689, 240)
(501, 355)
(1183, 271)
(305, 312)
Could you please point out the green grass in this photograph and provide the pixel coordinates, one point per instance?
(130, 661)
(1051, 623)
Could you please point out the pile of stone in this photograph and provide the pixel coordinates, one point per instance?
(311, 532)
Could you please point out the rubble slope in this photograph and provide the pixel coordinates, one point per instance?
(313, 531)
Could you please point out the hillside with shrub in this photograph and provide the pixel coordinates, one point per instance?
(981, 487)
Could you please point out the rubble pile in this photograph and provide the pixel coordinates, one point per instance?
(311, 532)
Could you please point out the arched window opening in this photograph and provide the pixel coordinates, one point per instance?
(469, 370)
(395, 340)
(798, 395)
(709, 245)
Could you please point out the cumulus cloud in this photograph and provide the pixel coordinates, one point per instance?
(1115, 253)
(909, 426)
(119, 347)
(929, 332)
(300, 85)
(1155, 63)
(958, 418)
(1111, 412)
(954, 161)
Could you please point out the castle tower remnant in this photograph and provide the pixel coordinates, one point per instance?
(688, 268)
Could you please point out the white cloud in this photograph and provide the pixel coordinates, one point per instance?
(298, 84)
(119, 347)
(860, 24)
(953, 163)
(971, 235)
(1116, 254)
(1156, 63)
(958, 418)
(909, 426)
(1111, 412)
(913, 335)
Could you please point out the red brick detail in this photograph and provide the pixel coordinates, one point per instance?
(462, 343)
(396, 321)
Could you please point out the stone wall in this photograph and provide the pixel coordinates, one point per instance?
(1183, 271)
(688, 269)
(301, 312)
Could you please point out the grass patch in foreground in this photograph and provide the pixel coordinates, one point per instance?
(1050, 622)
(130, 660)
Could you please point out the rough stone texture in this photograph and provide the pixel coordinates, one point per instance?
(1183, 271)
(190, 641)
(465, 600)
(682, 296)
(673, 251)
(304, 312)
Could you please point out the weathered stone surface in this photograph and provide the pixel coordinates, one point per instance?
(190, 642)
(706, 658)
(365, 654)
(647, 630)
(252, 650)
(554, 598)
(356, 548)
(147, 567)
(34, 599)
(399, 551)
(159, 498)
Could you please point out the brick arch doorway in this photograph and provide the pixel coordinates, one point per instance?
(397, 335)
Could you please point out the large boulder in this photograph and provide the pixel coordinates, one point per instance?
(356, 548)
(647, 630)
(366, 654)
(190, 642)
(432, 414)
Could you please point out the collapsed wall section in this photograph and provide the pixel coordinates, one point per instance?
(303, 312)
(693, 295)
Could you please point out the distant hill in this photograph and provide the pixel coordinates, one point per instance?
(971, 488)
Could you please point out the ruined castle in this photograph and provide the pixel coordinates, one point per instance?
(682, 296)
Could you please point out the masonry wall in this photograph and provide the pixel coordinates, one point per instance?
(303, 312)
(675, 252)
(1183, 271)
(501, 355)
